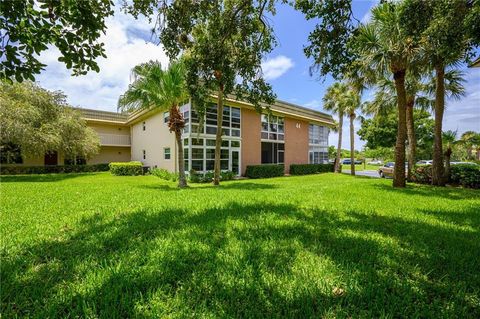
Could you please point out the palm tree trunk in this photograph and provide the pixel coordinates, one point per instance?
(399, 170)
(218, 138)
(176, 124)
(339, 147)
(182, 180)
(448, 154)
(437, 164)
(352, 144)
(412, 141)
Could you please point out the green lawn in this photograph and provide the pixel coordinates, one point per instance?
(328, 246)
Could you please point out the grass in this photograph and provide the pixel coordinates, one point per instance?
(332, 246)
(362, 167)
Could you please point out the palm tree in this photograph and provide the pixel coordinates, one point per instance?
(351, 102)
(154, 87)
(332, 101)
(383, 47)
(470, 140)
(449, 139)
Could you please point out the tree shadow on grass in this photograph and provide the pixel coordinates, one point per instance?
(431, 191)
(243, 260)
(41, 178)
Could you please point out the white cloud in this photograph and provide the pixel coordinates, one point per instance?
(275, 67)
(125, 47)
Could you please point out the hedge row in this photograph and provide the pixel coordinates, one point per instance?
(126, 168)
(305, 169)
(265, 171)
(460, 174)
(17, 170)
(195, 177)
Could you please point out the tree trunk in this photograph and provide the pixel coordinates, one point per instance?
(412, 140)
(339, 148)
(448, 154)
(218, 138)
(352, 144)
(176, 123)
(399, 169)
(182, 180)
(437, 163)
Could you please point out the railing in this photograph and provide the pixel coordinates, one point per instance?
(102, 115)
(114, 140)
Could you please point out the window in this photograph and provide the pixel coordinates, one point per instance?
(144, 154)
(230, 121)
(144, 126)
(166, 153)
(318, 135)
(273, 153)
(166, 117)
(318, 140)
(273, 128)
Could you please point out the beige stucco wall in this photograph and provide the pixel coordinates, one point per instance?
(109, 154)
(296, 142)
(107, 128)
(153, 140)
(251, 138)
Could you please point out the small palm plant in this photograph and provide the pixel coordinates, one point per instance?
(165, 90)
(449, 139)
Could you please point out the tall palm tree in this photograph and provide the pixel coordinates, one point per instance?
(332, 101)
(351, 102)
(153, 87)
(449, 139)
(383, 47)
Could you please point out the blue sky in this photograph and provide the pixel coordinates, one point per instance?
(286, 68)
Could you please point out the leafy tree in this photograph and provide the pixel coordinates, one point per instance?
(334, 101)
(383, 47)
(470, 140)
(28, 27)
(383, 153)
(154, 87)
(35, 121)
(329, 41)
(449, 31)
(380, 131)
(223, 43)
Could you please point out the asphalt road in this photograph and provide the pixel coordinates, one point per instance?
(368, 173)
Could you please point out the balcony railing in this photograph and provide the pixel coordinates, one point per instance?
(114, 140)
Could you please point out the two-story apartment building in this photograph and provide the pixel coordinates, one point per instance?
(291, 135)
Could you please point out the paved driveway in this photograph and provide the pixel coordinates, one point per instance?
(368, 173)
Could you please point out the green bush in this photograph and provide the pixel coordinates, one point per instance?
(422, 174)
(126, 168)
(207, 177)
(465, 175)
(50, 169)
(305, 169)
(164, 174)
(265, 171)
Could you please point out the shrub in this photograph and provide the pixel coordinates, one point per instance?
(207, 177)
(465, 175)
(304, 169)
(164, 174)
(422, 174)
(16, 170)
(265, 171)
(126, 168)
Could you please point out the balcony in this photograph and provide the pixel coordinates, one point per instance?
(114, 140)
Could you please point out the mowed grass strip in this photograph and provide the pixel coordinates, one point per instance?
(333, 246)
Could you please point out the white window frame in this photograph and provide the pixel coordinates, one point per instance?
(272, 120)
(165, 153)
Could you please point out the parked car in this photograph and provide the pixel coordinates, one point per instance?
(376, 162)
(346, 161)
(387, 169)
(424, 162)
(358, 162)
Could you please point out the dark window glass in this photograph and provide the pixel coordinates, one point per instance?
(224, 164)
(209, 165)
(210, 153)
(197, 165)
(197, 153)
(185, 153)
(211, 130)
(197, 141)
(235, 143)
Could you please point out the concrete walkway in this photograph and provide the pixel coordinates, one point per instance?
(368, 173)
